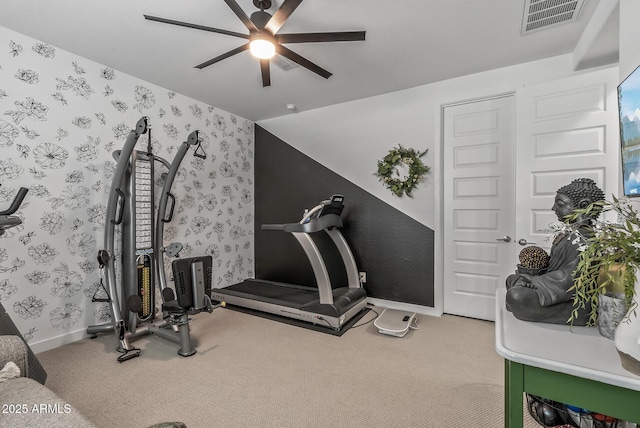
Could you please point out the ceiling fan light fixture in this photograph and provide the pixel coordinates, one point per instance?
(265, 40)
(262, 48)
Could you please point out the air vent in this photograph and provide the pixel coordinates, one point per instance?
(540, 14)
(283, 63)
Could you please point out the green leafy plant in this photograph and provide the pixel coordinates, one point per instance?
(609, 255)
(388, 167)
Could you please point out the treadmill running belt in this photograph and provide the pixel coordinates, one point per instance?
(297, 323)
(288, 295)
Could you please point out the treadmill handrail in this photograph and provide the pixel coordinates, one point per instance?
(269, 227)
(328, 221)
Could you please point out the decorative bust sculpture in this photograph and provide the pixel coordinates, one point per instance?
(545, 297)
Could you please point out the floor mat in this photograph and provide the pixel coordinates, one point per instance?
(345, 327)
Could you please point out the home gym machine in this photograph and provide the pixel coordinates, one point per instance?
(131, 207)
(324, 305)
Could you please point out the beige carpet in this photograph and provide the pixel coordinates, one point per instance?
(252, 372)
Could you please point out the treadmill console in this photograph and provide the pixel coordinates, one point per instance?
(329, 206)
(333, 206)
(337, 199)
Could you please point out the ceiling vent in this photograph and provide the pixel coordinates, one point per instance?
(540, 14)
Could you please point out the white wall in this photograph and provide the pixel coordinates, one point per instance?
(349, 138)
(61, 117)
(629, 37)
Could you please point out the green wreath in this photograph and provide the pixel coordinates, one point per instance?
(389, 165)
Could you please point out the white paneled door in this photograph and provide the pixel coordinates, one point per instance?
(479, 204)
(500, 182)
(568, 129)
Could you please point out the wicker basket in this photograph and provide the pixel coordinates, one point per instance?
(550, 413)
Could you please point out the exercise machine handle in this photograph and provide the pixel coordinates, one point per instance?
(168, 218)
(17, 201)
(120, 213)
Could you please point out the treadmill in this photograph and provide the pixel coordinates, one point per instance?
(324, 305)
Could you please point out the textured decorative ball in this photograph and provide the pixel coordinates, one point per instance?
(534, 257)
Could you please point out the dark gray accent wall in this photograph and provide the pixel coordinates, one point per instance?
(395, 251)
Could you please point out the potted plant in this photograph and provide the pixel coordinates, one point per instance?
(609, 256)
(611, 251)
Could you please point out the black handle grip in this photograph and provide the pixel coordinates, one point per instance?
(118, 219)
(173, 205)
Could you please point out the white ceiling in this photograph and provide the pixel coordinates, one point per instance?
(408, 43)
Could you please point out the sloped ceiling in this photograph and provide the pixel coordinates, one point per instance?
(408, 43)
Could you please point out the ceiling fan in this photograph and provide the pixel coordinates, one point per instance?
(263, 29)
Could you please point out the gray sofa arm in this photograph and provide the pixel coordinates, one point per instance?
(12, 348)
(7, 327)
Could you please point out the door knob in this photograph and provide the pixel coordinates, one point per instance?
(524, 242)
(505, 239)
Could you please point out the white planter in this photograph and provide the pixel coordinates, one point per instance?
(627, 337)
(611, 310)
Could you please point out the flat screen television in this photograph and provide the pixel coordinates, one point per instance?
(629, 110)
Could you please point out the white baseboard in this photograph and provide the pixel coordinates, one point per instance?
(409, 307)
(74, 336)
(54, 342)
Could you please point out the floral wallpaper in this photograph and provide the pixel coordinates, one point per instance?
(61, 118)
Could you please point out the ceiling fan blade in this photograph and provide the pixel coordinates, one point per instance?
(266, 75)
(282, 14)
(196, 26)
(235, 7)
(341, 36)
(223, 56)
(288, 53)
